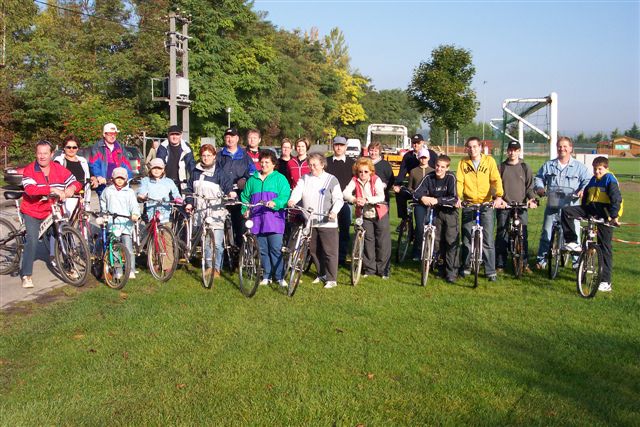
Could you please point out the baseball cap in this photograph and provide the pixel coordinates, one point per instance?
(417, 138)
(119, 173)
(174, 129)
(110, 127)
(156, 163)
(514, 145)
(231, 131)
(423, 153)
(340, 140)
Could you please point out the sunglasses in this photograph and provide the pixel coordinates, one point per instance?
(364, 171)
(71, 147)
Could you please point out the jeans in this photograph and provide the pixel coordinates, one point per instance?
(488, 251)
(271, 255)
(128, 243)
(32, 226)
(218, 236)
(502, 236)
(419, 213)
(550, 215)
(344, 225)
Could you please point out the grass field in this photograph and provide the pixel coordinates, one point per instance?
(528, 352)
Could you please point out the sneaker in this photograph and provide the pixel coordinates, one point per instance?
(52, 261)
(450, 280)
(415, 258)
(265, 282)
(283, 283)
(466, 273)
(319, 279)
(364, 276)
(541, 265)
(499, 270)
(492, 277)
(604, 287)
(527, 270)
(385, 277)
(132, 275)
(330, 284)
(216, 274)
(572, 247)
(26, 282)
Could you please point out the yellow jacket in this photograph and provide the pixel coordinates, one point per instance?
(481, 185)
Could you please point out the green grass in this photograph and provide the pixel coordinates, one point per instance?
(384, 353)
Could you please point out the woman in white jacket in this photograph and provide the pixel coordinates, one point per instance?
(321, 192)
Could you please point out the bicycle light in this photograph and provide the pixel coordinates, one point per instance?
(248, 223)
(516, 222)
(359, 222)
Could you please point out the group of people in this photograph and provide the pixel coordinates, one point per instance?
(266, 185)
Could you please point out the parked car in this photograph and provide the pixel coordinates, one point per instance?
(136, 160)
(354, 148)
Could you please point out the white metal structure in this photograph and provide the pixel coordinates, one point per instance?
(517, 110)
(397, 137)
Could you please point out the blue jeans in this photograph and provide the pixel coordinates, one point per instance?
(218, 236)
(419, 213)
(550, 215)
(271, 255)
(31, 241)
(128, 243)
(488, 251)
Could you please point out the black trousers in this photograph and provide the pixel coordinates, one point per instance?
(237, 223)
(344, 225)
(502, 236)
(446, 242)
(401, 204)
(377, 246)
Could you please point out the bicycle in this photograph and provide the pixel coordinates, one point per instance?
(429, 256)
(515, 230)
(158, 241)
(590, 260)
(205, 235)
(294, 227)
(475, 257)
(112, 260)
(71, 254)
(357, 251)
(250, 271)
(298, 255)
(406, 230)
(558, 197)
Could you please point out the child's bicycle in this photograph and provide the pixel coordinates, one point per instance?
(475, 257)
(71, 254)
(406, 230)
(590, 260)
(111, 261)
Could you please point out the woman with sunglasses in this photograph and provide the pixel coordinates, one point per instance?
(367, 192)
(77, 165)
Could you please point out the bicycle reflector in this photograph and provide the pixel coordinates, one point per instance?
(248, 223)
(516, 222)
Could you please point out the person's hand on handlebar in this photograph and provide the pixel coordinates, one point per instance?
(458, 204)
(532, 203)
(361, 201)
(291, 204)
(59, 193)
(429, 201)
(499, 203)
(540, 192)
(396, 188)
(134, 217)
(232, 195)
(615, 222)
(270, 204)
(142, 197)
(333, 216)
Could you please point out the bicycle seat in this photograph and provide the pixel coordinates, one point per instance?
(13, 195)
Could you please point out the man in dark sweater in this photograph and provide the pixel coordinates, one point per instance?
(517, 181)
(177, 156)
(341, 166)
(438, 188)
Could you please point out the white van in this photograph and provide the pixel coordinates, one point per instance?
(354, 148)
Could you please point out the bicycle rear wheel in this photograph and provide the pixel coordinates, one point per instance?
(249, 266)
(297, 267)
(208, 250)
(589, 272)
(72, 256)
(162, 254)
(10, 247)
(117, 266)
(554, 255)
(230, 248)
(356, 257)
(180, 229)
(476, 257)
(427, 256)
(517, 257)
(404, 239)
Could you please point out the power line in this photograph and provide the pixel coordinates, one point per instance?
(90, 15)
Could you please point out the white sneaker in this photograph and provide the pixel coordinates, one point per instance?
(572, 247)
(604, 287)
(265, 282)
(132, 275)
(26, 282)
(283, 283)
(330, 284)
(319, 279)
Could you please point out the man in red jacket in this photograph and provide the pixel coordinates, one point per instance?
(40, 179)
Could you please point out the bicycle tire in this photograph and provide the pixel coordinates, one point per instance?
(97, 259)
(404, 240)
(288, 248)
(74, 262)
(427, 256)
(116, 266)
(10, 247)
(231, 252)
(208, 241)
(297, 268)
(476, 257)
(554, 255)
(180, 230)
(163, 260)
(357, 257)
(517, 257)
(249, 266)
(589, 272)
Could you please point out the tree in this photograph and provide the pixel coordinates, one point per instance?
(441, 88)
(634, 132)
(336, 50)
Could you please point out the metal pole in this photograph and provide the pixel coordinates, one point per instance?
(483, 109)
(173, 96)
(228, 117)
(553, 126)
(185, 74)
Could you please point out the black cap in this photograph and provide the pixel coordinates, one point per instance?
(514, 145)
(417, 138)
(174, 129)
(231, 131)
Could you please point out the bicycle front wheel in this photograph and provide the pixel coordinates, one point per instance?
(72, 256)
(116, 266)
(517, 257)
(249, 266)
(589, 272)
(162, 254)
(180, 230)
(476, 257)
(356, 257)
(554, 255)
(427, 256)
(298, 259)
(208, 258)
(10, 247)
(404, 240)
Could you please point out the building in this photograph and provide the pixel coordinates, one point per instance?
(622, 146)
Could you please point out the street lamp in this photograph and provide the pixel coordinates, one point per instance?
(483, 107)
(228, 117)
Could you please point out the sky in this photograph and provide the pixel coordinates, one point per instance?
(585, 51)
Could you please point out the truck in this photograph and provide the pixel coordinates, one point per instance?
(395, 142)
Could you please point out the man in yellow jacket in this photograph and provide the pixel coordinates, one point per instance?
(479, 182)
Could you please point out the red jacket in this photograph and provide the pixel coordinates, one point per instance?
(37, 185)
(297, 169)
(255, 156)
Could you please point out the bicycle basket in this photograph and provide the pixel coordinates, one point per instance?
(559, 197)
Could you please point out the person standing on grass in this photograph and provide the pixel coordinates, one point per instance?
(479, 182)
(253, 147)
(341, 166)
(564, 171)
(439, 188)
(177, 157)
(517, 180)
(321, 192)
(417, 174)
(298, 166)
(366, 191)
(40, 179)
(384, 171)
(270, 186)
(106, 155)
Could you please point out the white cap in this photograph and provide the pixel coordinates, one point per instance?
(110, 127)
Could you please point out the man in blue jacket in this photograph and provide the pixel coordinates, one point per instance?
(177, 156)
(106, 155)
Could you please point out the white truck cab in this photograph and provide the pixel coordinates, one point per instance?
(354, 148)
